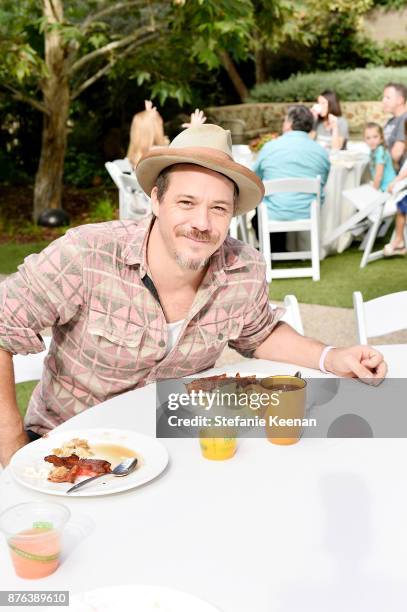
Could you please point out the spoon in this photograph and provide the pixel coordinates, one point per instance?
(123, 469)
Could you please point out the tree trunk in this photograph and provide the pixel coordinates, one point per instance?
(234, 76)
(260, 66)
(56, 93)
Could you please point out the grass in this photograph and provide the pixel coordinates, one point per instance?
(341, 276)
(23, 392)
(11, 255)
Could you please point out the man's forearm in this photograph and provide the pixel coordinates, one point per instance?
(12, 434)
(285, 344)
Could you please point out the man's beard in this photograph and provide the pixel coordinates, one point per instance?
(189, 263)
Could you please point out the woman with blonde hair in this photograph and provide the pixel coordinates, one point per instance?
(146, 131)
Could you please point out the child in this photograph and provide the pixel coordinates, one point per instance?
(397, 246)
(381, 165)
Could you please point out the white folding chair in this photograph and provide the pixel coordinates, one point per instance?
(133, 203)
(267, 226)
(292, 315)
(29, 367)
(372, 207)
(382, 315)
(239, 223)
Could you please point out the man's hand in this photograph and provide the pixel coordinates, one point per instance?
(10, 447)
(363, 362)
(332, 122)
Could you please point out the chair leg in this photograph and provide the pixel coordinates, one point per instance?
(371, 238)
(264, 238)
(315, 257)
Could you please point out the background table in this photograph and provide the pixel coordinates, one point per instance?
(316, 526)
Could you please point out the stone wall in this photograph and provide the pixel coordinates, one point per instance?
(382, 25)
(247, 121)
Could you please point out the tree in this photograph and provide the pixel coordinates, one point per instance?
(54, 50)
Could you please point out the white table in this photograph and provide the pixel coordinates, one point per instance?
(319, 526)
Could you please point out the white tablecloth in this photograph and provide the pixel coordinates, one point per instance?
(318, 526)
(345, 173)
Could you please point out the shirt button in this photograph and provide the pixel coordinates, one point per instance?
(220, 336)
(161, 343)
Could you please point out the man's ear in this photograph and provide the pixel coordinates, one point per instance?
(155, 204)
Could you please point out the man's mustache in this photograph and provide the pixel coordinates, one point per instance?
(197, 235)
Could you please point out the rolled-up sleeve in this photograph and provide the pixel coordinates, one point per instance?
(47, 290)
(260, 318)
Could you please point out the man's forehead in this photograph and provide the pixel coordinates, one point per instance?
(178, 172)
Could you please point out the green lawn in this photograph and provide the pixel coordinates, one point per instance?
(23, 392)
(11, 255)
(340, 276)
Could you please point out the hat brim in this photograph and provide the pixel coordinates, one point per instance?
(251, 188)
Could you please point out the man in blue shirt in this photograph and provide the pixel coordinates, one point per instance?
(295, 155)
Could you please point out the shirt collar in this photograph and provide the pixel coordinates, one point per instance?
(291, 133)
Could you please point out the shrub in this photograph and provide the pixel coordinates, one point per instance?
(102, 209)
(358, 84)
(80, 169)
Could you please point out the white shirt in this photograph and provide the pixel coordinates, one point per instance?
(174, 330)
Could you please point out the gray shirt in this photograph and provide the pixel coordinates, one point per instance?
(394, 131)
(324, 135)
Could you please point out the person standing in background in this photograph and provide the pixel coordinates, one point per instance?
(394, 102)
(330, 128)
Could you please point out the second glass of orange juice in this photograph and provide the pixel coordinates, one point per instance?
(33, 532)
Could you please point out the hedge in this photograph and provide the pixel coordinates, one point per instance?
(358, 84)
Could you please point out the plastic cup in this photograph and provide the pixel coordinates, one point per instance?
(214, 447)
(291, 405)
(33, 532)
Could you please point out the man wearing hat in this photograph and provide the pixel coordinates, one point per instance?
(130, 303)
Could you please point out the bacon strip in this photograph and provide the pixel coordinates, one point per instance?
(75, 467)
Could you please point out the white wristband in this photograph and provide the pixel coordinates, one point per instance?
(323, 357)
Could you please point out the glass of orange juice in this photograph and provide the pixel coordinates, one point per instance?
(33, 532)
(217, 444)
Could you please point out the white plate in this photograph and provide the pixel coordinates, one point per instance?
(153, 460)
(140, 598)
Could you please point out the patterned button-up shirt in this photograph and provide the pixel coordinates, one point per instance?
(109, 333)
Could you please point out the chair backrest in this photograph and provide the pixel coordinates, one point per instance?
(294, 185)
(130, 183)
(382, 315)
(123, 164)
(115, 173)
(292, 315)
(29, 367)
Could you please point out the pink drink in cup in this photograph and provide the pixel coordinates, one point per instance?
(33, 532)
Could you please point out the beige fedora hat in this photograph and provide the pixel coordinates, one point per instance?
(205, 145)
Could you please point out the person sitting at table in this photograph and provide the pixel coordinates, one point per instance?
(330, 128)
(131, 303)
(394, 102)
(292, 155)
